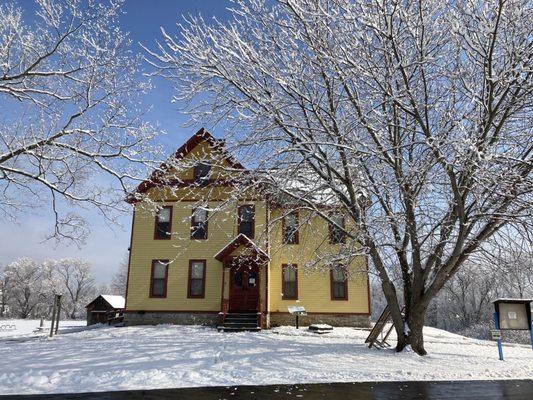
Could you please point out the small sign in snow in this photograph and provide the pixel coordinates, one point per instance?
(495, 334)
(296, 310)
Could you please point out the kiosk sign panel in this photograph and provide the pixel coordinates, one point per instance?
(513, 316)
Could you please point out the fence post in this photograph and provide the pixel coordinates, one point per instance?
(58, 312)
(53, 317)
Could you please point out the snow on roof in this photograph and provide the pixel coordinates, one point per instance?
(114, 300)
(297, 184)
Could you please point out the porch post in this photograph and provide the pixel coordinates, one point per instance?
(223, 301)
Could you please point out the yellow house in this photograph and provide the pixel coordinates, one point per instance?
(204, 253)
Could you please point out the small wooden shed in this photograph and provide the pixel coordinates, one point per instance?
(105, 309)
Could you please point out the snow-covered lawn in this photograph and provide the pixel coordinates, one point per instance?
(26, 328)
(167, 356)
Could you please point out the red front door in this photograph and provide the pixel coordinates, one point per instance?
(244, 289)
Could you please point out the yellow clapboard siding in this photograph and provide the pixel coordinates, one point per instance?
(314, 286)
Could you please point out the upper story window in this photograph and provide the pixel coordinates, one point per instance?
(163, 223)
(339, 283)
(336, 231)
(159, 278)
(201, 173)
(290, 225)
(246, 220)
(290, 281)
(199, 224)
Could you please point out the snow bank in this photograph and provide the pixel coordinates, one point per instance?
(167, 356)
(25, 328)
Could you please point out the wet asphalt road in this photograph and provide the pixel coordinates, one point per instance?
(457, 390)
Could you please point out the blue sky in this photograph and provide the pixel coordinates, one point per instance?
(107, 246)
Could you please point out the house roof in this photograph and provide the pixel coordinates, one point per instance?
(201, 136)
(241, 240)
(515, 300)
(113, 300)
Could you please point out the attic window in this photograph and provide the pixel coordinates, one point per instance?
(201, 173)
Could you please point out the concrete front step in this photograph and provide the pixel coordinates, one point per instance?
(235, 322)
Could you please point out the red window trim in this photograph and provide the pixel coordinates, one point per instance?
(239, 218)
(189, 280)
(330, 226)
(297, 233)
(332, 282)
(168, 237)
(152, 295)
(206, 225)
(283, 267)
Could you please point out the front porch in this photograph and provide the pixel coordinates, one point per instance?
(243, 296)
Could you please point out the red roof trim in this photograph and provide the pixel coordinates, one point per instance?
(200, 136)
(240, 240)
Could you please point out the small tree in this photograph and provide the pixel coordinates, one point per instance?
(70, 122)
(120, 278)
(76, 283)
(29, 286)
(414, 118)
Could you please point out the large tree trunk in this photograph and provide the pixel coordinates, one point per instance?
(415, 337)
(411, 335)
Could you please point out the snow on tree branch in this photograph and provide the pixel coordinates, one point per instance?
(71, 125)
(423, 106)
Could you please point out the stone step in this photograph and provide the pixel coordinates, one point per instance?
(238, 329)
(240, 323)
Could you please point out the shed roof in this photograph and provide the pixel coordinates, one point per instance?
(113, 300)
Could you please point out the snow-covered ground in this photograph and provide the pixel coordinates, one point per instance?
(167, 356)
(27, 328)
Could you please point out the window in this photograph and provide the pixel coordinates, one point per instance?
(290, 281)
(196, 279)
(339, 283)
(159, 277)
(246, 220)
(201, 173)
(336, 232)
(290, 228)
(163, 223)
(199, 224)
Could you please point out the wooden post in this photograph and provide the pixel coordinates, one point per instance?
(58, 312)
(53, 317)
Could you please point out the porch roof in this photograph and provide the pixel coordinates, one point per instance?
(241, 240)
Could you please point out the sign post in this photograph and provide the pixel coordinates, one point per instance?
(531, 334)
(497, 336)
(297, 311)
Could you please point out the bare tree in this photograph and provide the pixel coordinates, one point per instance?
(76, 283)
(70, 124)
(414, 118)
(120, 278)
(4, 291)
